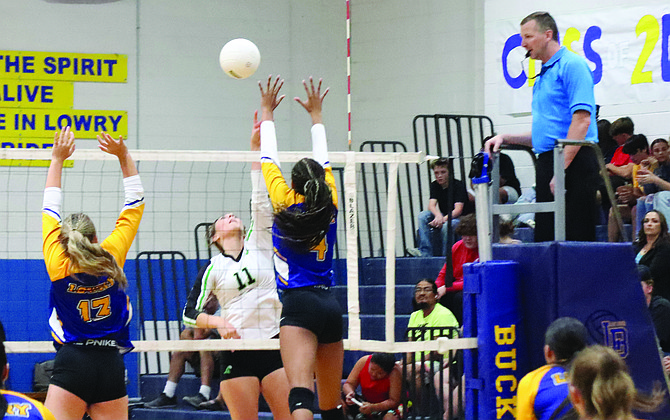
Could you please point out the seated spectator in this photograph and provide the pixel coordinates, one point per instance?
(620, 167)
(656, 183)
(601, 388)
(202, 361)
(638, 150)
(381, 381)
(429, 314)
(510, 187)
(652, 248)
(543, 393)
(659, 308)
(605, 141)
(18, 406)
(507, 232)
(446, 204)
(450, 290)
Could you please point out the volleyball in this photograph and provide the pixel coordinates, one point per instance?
(239, 58)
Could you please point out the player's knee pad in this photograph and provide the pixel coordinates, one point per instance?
(299, 398)
(334, 414)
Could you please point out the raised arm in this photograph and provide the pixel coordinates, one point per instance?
(62, 149)
(119, 241)
(313, 104)
(54, 254)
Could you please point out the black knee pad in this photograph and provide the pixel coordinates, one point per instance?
(299, 398)
(334, 414)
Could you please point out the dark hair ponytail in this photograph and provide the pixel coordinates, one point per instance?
(303, 227)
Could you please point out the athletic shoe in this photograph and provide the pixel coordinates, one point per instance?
(212, 405)
(414, 252)
(195, 400)
(162, 401)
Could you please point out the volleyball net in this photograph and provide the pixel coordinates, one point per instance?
(185, 190)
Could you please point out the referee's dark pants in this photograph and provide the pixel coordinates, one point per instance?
(581, 184)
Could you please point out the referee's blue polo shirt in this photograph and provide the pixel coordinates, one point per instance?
(565, 85)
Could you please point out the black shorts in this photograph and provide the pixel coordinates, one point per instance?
(315, 309)
(258, 363)
(94, 374)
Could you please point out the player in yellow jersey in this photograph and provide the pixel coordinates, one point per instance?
(15, 405)
(89, 309)
(303, 235)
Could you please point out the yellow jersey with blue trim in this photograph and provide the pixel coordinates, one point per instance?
(295, 269)
(87, 309)
(541, 392)
(19, 406)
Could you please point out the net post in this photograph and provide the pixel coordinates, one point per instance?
(351, 220)
(391, 205)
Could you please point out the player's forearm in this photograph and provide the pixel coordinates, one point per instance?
(55, 173)
(127, 163)
(210, 321)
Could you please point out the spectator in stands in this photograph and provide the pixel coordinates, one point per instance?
(600, 387)
(652, 248)
(430, 314)
(446, 204)
(620, 167)
(627, 195)
(656, 183)
(543, 393)
(201, 361)
(507, 232)
(607, 147)
(381, 381)
(659, 308)
(510, 187)
(464, 251)
(14, 405)
(605, 141)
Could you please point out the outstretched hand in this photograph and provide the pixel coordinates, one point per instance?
(63, 144)
(108, 145)
(314, 100)
(269, 99)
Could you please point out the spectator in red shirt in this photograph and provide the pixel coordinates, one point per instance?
(464, 251)
(620, 167)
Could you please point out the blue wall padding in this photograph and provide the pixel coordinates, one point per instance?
(599, 285)
(491, 386)
(596, 283)
(537, 291)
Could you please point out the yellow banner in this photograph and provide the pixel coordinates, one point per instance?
(25, 94)
(28, 143)
(44, 122)
(71, 67)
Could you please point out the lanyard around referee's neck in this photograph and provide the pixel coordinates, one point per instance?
(545, 68)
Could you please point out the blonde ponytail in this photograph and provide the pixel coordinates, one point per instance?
(77, 237)
(602, 378)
